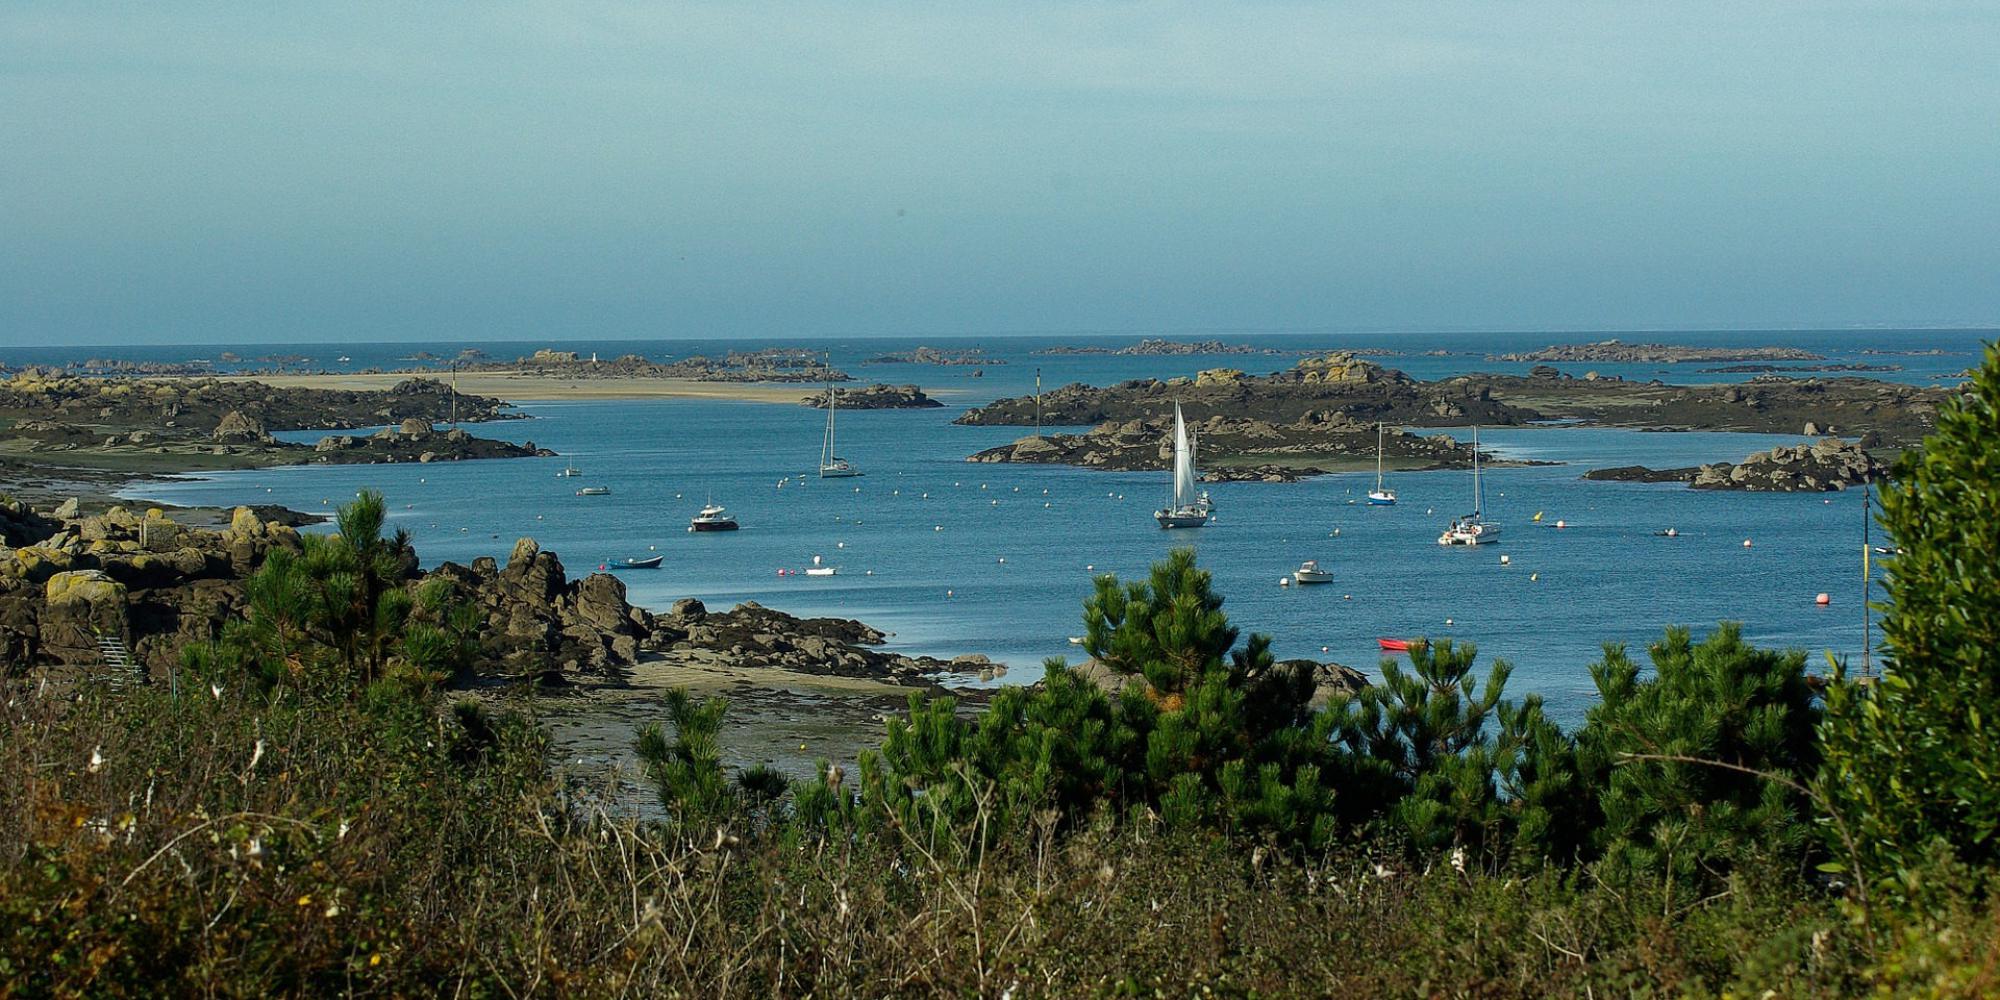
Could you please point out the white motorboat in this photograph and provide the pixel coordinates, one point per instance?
(713, 517)
(1310, 572)
(1473, 528)
(1189, 509)
(819, 568)
(593, 491)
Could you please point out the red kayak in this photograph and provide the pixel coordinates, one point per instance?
(1393, 645)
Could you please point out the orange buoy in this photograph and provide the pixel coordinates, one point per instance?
(1823, 600)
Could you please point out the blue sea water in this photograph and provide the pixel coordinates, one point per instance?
(953, 557)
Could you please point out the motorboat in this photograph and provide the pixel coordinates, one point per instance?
(1473, 528)
(713, 517)
(1380, 496)
(819, 568)
(1310, 572)
(1189, 508)
(650, 562)
(593, 491)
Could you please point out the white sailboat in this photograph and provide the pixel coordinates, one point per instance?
(1472, 529)
(570, 471)
(831, 465)
(1380, 496)
(1189, 509)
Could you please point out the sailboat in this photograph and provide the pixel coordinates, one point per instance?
(570, 471)
(1380, 495)
(831, 465)
(1472, 529)
(1189, 509)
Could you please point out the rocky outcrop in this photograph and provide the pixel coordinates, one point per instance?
(1331, 682)
(1831, 464)
(415, 440)
(934, 356)
(1236, 448)
(1156, 347)
(235, 428)
(781, 364)
(1365, 392)
(1617, 351)
(875, 397)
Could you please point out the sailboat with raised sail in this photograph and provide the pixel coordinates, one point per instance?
(831, 465)
(1472, 529)
(1189, 508)
(1381, 495)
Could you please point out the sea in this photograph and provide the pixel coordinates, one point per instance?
(951, 557)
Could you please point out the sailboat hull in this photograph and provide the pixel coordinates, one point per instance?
(1382, 499)
(1181, 518)
(839, 473)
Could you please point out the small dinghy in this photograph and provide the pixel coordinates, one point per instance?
(1394, 645)
(650, 562)
(593, 491)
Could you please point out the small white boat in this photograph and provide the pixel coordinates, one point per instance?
(593, 491)
(569, 471)
(821, 569)
(1310, 572)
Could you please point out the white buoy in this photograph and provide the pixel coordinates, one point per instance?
(1336, 532)
(1532, 577)
(1504, 560)
(1746, 543)
(1284, 581)
(1003, 558)
(938, 527)
(947, 593)
(1449, 622)
(840, 545)
(1092, 568)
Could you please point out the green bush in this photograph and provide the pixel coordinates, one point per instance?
(1913, 759)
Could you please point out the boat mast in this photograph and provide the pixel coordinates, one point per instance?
(1478, 494)
(1378, 456)
(1867, 625)
(826, 446)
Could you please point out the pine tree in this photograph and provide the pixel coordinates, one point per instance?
(1650, 749)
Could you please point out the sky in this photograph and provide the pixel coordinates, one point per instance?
(190, 172)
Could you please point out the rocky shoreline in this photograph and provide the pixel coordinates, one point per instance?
(1831, 464)
(1618, 352)
(1155, 347)
(155, 585)
(778, 364)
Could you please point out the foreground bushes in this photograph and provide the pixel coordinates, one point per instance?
(399, 847)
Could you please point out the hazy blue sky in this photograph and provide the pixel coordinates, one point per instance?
(311, 171)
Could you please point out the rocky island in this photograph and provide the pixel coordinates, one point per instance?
(1831, 464)
(1366, 392)
(1618, 352)
(778, 364)
(1238, 449)
(935, 356)
(1155, 347)
(174, 425)
(875, 397)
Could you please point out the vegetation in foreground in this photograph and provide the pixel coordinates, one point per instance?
(308, 812)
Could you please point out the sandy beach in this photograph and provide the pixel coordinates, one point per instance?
(520, 386)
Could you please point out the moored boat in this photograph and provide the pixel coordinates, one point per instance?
(1310, 572)
(713, 517)
(593, 491)
(650, 562)
(1189, 509)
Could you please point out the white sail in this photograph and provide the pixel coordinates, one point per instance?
(1478, 495)
(1184, 488)
(1378, 457)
